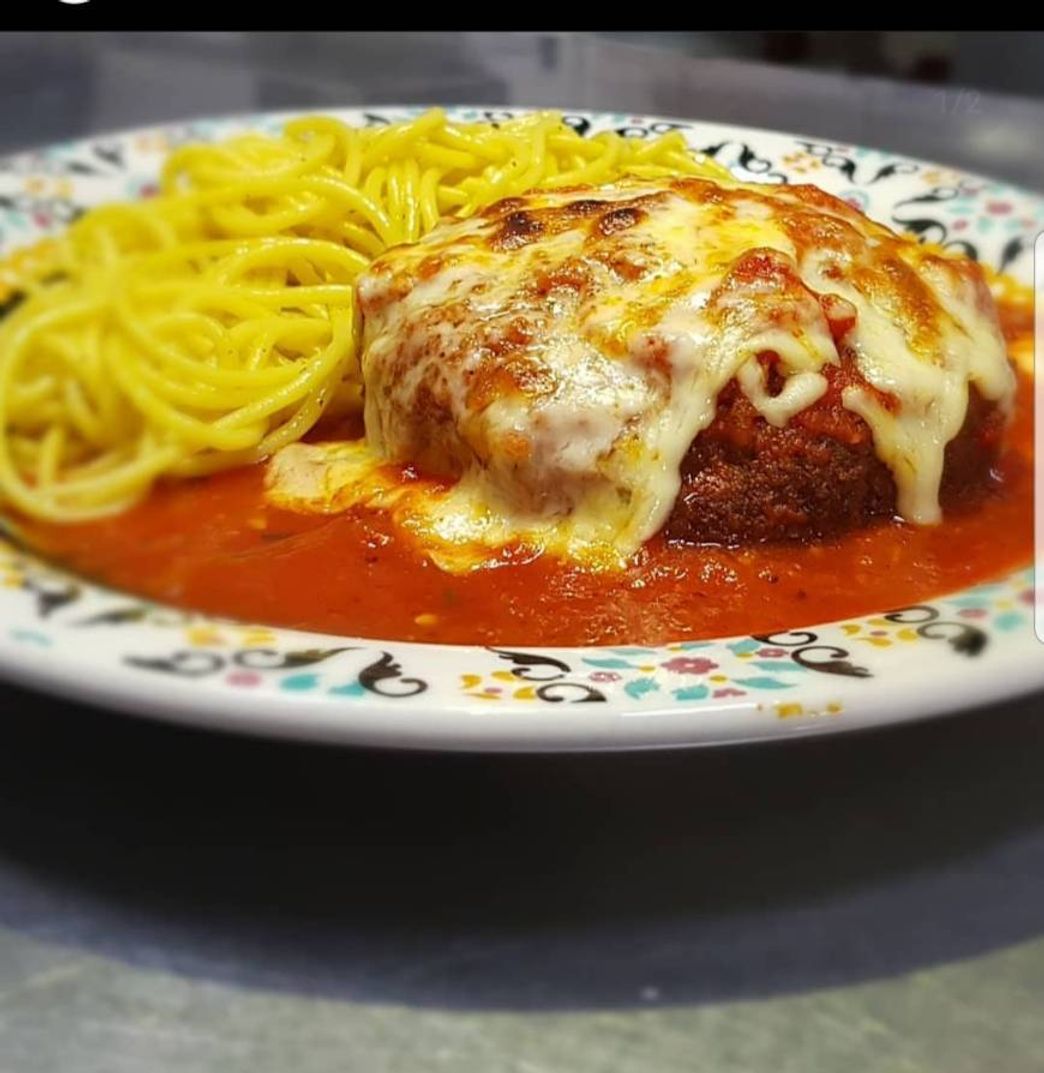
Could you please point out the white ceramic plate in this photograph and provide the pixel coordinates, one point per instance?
(972, 647)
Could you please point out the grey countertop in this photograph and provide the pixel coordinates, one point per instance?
(172, 901)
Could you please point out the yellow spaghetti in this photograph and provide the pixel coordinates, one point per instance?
(213, 324)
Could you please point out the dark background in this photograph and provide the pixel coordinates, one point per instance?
(1001, 61)
(965, 99)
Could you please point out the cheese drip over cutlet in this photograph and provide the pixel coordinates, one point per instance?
(560, 352)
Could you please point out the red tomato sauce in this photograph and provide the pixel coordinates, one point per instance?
(215, 545)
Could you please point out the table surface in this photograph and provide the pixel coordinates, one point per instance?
(172, 901)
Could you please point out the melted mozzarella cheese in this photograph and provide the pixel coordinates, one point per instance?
(455, 528)
(559, 353)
